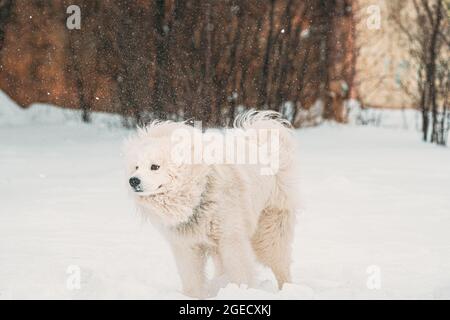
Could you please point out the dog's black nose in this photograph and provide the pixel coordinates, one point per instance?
(134, 182)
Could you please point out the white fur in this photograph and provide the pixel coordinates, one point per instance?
(227, 211)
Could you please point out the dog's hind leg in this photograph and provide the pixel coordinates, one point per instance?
(272, 242)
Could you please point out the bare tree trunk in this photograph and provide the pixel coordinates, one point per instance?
(75, 72)
(233, 72)
(211, 116)
(78, 78)
(445, 127)
(431, 68)
(262, 103)
(425, 116)
(161, 59)
(283, 65)
(325, 20)
(6, 8)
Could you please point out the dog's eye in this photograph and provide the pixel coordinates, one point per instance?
(154, 167)
(137, 167)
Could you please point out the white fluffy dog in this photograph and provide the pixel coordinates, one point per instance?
(237, 213)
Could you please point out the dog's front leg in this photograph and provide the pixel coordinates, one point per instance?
(190, 262)
(238, 260)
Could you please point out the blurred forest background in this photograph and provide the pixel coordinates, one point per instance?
(180, 59)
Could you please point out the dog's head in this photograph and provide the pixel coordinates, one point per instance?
(152, 166)
(148, 167)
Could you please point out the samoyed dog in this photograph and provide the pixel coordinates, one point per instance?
(226, 194)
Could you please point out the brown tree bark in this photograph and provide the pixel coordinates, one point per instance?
(6, 8)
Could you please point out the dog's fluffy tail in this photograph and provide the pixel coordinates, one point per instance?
(254, 119)
(271, 120)
(279, 217)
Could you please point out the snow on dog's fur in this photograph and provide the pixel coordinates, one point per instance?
(230, 212)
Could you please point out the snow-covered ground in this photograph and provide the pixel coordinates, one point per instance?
(374, 200)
